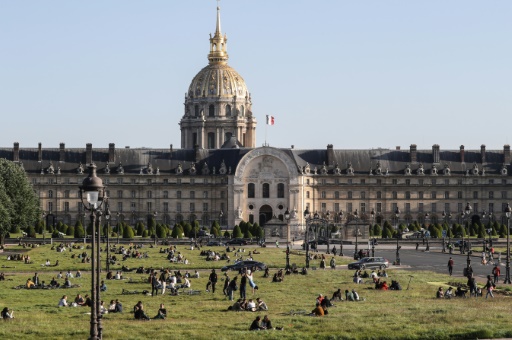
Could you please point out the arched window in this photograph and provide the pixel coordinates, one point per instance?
(211, 111)
(280, 190)
(250, 190)
(50, 193)
(266, 190)
(196, 110)
(242, 110)
(228, 110)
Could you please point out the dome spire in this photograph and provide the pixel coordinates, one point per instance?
(218, 54)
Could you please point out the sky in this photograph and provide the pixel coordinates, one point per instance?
(355, 74)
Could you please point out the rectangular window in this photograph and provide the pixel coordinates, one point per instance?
(434, 181)
(134, 195)
(446, 194)
(149, 207)
(491, 207)
(336, 194)
(166, 194)
(178, 194)
(362, 207)
(363, 181)
(324, 194)
(408, 195)
(166, 207)
(222, 194)
(491, 181)
(393, 207)
(459, 194)
(420, 182)
(337, 181)
(363, 195)
(420, 207)
(205, 194)
(395, 181)
(133, 206)
(307, 181)
(166, 181)
(307, 194)
(379, 182)
(178, 207)
(349, 195)
(120, 207)
(192, 181)
(407, 208)
(149, 181)
(349, 181)
(433, 194)
(324, 181)
(178, 181)
(446, 182)
(459, 207)
(475, 194)
(134, 181)
(459, 182)
(349, 207)
(149, 194)
(407, 182)
(475, 182)
(379, 208)
(379, 195)
(119, 193)
(192, 194)
(491, 195)
(336, 207)
(504, 181)
(434, 207)
(192, 207)
(119, 181)
(394, 195)
(205, 207)
(447, 208)
(475, 208)
(324, 207)
(50, 206)
(503, 194)
(66, 207)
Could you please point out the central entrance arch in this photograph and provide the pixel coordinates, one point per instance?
(265, 214)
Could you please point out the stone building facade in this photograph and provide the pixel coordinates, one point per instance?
(219, 169)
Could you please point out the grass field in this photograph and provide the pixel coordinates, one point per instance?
(406, 314)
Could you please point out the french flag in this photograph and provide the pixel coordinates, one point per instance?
(270, 120)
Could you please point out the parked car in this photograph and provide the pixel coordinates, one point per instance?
(215, 243)
(312, 243)
(369, 262)
(255, 265)
(203, 233)
(237, 241)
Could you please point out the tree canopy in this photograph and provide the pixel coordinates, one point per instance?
(19, 205)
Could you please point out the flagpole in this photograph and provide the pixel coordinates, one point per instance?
(266, 126)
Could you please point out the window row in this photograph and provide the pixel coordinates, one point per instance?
(265, 191)
(408, 195)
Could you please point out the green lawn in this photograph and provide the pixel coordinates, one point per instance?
(406, 314)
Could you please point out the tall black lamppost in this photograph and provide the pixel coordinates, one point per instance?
(93, 191)
(467, 212)
(44, 226)
(155, 214)
(307, 217)
(508, 212)
(484, 215)
(490, 227)
(372, 214)
(340, 216)
(107, 218)
(444, 234)
(426, 220)
(356, 217)
(287, 218)
(220, 220)
(397, 215)
(447, 218)
(118, 231)
(328, 232)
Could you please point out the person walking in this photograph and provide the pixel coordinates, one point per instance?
(496, 273)
(243, 285)
(213, 279)
(489, 286)
(450, 266)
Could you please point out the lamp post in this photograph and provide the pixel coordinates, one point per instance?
(220, 220)
(428, 244)
(444, 232)
(155, 214)
(356, 216)
(508, 212)
(118, 231)
(467, 212)
(287, 218)
(93, 191)
(397, 214)
(44, 226)
(328, 232)
(107, 218)
(340, 215)
(489, 231)
(307, 215)
(484, 214)
(372, 214)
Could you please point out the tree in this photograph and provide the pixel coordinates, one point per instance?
(377, 230)
(128, 232)
(140, 228)
(19, 205)
(70, 231)
(237, 233)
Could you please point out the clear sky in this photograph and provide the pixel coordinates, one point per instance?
(355, 74)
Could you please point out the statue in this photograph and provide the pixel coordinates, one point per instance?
(80, 169)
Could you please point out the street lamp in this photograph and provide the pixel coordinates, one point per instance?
(307, 216)
(118, 231)
(356, 216)
(444, 232)
(155, 214)
(287, 218)
(484, 214)
(93, 191)
(397, 214)
(340, 215)
(467, 212)
(44, 226)
(220, 221)
(372, 214)
(508, 212)
(328, 232)
(107, 217)
(426, 220)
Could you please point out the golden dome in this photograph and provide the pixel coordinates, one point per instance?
(218, 79)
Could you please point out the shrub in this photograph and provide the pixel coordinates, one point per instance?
(79, 231)
(145, 233)
(70, 231)
(31, 231)
(237, 232)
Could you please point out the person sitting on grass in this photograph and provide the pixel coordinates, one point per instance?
(162, 312)
(63, 302)
(2, 277)
(318, 311)
(30, 284)
(261, 305)
(251, 306)
(355, 294)
(449, 293)
(67, 283)
(236, 306)
(112, 306)
(255, 325)
(337, 295)
(139, 313)
(54, 283)
(266, 323)
(7, 314)
(103, 309)
(440, 293)
(79, 300)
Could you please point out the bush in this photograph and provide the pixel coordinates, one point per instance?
(79, 231)
(128, 232)
(145, 233)
(237, 233)
(31, 231)
(70, 231)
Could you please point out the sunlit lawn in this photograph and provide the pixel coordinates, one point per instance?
(406, 314)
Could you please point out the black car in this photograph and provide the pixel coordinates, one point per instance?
(255, 265)
(369, 262)
(215, 243)
(237, 241)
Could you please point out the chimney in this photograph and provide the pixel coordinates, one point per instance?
(62, 152)
(462, 153)
(330, 154)
(88, 153)
(506, 154)
(414, 153)
(435, 153)
(397, 148)
(16, 152)
(111, 153)
(482, 153)
(40, 153)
